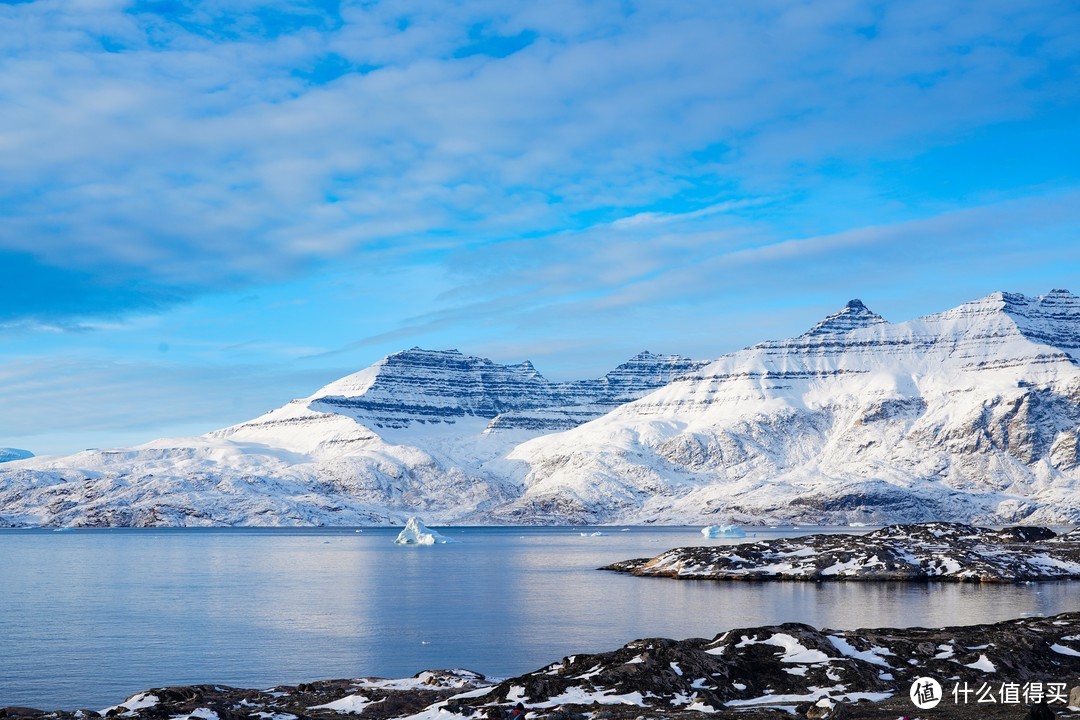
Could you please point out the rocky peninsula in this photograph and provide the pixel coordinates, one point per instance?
(918, 552)
(988, 671)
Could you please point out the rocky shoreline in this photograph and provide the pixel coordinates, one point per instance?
(782, 671)
(919, 552)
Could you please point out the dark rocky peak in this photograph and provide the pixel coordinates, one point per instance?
(440, 386)
(1052, 319)
(652, 368)
(854, 316)
(453, 365)
(637, 376)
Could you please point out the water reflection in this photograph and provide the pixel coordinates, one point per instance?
(87, 618)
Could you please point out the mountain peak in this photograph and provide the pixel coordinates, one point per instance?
(855, 315)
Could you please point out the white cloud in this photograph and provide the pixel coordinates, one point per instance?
(200, 160)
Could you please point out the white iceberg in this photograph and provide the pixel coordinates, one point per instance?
(416, 533)
(719, 531)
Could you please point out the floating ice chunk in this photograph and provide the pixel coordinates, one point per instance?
(416, 533)
(719, 531)
(1064, 650)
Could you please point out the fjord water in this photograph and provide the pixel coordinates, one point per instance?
(89, 617)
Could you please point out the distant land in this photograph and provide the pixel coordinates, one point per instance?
(9, 454)
(968, 415)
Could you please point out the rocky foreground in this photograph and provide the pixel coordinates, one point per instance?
(926, 551)
(782, 671)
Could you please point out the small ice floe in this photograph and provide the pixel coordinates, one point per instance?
(593, 534)
(416, 533)
(721, 531)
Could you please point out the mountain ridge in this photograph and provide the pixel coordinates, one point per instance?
(969, 415)
(949, 399)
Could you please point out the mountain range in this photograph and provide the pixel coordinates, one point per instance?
(971, 415)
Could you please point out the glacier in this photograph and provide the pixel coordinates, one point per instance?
(968, 415)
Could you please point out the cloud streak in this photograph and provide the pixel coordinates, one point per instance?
(219, 145)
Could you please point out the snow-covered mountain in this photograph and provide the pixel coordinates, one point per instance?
(9, 454)
(968, 415)
(413, 433)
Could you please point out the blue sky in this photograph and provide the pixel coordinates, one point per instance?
(207, 209)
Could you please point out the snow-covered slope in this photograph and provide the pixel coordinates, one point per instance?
(410, 434)
(970, 414)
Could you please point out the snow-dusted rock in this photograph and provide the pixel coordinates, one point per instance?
(931, 551)
(417, 533)
(758, 673)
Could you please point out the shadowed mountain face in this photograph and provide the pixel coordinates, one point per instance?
(972, 414)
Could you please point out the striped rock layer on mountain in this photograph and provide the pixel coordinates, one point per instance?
(968, 415)
(410, 434)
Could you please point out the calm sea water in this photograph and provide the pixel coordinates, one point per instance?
(88, 618)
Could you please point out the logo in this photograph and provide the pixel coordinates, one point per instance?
(925, 693)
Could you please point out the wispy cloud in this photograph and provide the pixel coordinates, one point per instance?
(612, 287)
(167, 152)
